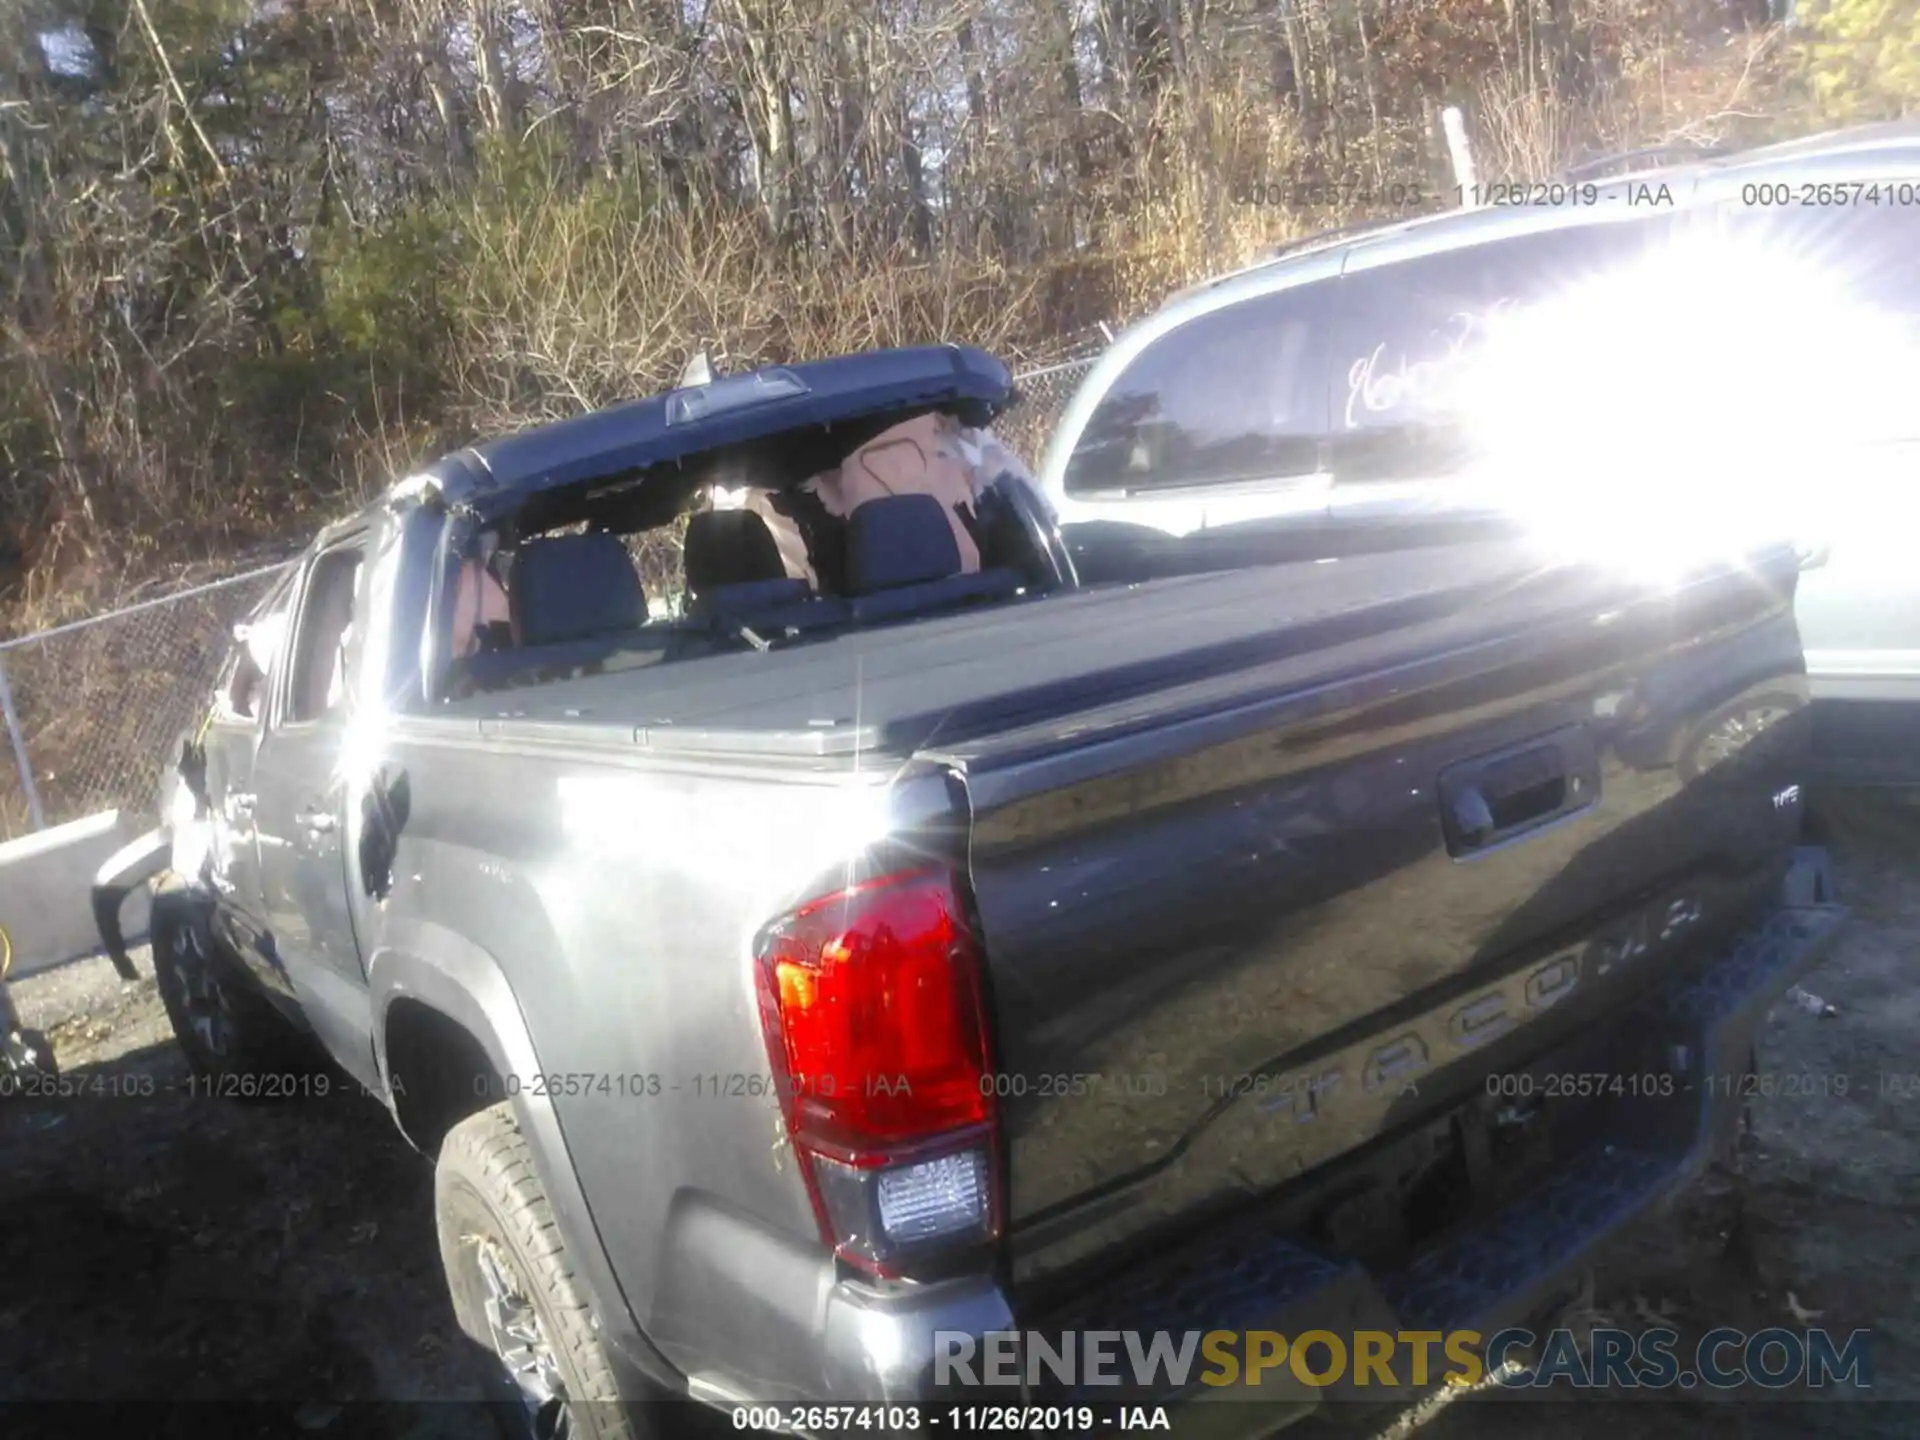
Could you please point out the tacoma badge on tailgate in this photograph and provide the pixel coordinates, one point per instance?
(1384, 1069)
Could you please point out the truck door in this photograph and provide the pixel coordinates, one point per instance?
(231, 741)
(300, 810)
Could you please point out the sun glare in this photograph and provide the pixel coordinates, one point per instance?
(1684, 408)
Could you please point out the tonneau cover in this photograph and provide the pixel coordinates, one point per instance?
(948, 680)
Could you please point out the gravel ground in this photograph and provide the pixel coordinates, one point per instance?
(161, 1244)
(156, 1243)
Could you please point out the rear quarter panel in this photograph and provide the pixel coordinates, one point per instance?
(620, 899)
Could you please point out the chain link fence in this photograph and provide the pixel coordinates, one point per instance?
(93, 708)
(1044, 394)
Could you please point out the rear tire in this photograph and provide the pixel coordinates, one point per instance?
(515, 1292)
(228, 1030)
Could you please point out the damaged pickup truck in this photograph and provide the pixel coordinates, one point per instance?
(785, 975)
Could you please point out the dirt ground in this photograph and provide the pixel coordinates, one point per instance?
(163, 1245)
(1826, 1232)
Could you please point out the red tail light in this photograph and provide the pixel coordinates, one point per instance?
(871, 1002)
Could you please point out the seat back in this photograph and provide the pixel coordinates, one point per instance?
(570, 587)
(729, 547)
(902, 558)
(734, 564)
(921, 456)
(479, 604)
(899, 540)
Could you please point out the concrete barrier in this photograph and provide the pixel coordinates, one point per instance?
(46, 888)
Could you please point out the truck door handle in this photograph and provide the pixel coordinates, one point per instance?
(1492, 798)
(318, 822)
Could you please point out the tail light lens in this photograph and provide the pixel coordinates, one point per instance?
(871, 1002)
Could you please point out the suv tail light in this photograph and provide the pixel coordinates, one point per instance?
(871, 1002)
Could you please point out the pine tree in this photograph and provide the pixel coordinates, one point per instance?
(1863, 58)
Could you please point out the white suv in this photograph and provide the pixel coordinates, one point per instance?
(1333, 389)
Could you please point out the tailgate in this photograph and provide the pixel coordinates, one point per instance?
(1245, 924)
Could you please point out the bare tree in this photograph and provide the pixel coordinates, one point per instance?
(252, 257)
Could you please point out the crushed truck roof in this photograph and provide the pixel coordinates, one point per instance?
(729, 410)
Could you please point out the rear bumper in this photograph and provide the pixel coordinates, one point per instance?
(1493, 1272)
(1500, 1271)
(885, 1347)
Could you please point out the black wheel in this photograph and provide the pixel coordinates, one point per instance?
(226, 1027)
(515, 1293)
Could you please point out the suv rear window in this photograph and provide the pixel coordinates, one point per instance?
(1406, 330)
(1865, 261)
(1235, 396)
(1872, 250)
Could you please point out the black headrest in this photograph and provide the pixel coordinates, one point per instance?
(729, 547)
(566, 587)
(899, 540)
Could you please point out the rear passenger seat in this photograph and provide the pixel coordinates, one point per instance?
(902, 559)
(735, 573)
(733, 564)
(575, 601)
(571, 587)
